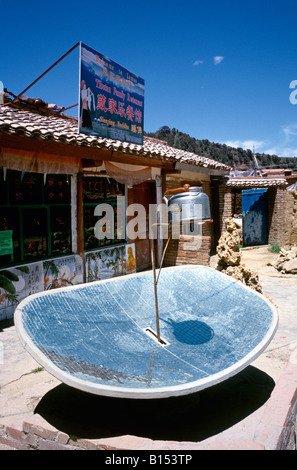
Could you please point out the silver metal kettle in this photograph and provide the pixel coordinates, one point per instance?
(184, 199)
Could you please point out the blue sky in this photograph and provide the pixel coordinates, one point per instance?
(216, 70)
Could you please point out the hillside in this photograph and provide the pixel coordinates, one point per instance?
(237, 158)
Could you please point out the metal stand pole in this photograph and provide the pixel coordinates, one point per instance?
(155, 291)
(37, 79)
(155, 278)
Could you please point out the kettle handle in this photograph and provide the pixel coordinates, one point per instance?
(184, 189)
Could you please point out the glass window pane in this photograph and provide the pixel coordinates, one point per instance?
(57, 189)
(90, 220)
(114, 189)
(3, 188)
(9, 221)
(94, 189)
(99, 190)
(120, 222)
(35, 233)
(16, 195)
(106, 227)
(25, 188)
(61, 230)
(89, 224)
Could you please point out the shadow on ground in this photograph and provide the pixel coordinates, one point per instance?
(190, 418)
(4, 324)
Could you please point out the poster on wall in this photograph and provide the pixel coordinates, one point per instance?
(16, 284)
(62, 272)
(111, 99)
(6, 242)
(130, 259)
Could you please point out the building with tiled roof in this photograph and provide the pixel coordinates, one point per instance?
(54, 182)
(47, 126)
(252, 182)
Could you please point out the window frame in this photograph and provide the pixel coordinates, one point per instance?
(20, 208)
(104, 200)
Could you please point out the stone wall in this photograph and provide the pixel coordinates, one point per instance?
(291, 219)
(190, 249)
(276, 215)
(225, 205)
(277, 202)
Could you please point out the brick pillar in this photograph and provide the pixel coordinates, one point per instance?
(208, 228)
(225, 205)
(190, 249)
(277, 215)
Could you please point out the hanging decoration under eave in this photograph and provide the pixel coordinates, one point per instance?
(124, 173)
(38, 162)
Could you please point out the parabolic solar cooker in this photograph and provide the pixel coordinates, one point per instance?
(101, 337)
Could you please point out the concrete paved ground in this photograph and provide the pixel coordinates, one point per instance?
(228, 411)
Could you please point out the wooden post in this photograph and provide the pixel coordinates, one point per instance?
(80, 222)
(74, 212)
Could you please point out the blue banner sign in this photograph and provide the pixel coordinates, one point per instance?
(111, 100)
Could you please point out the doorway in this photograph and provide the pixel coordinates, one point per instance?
(255, 217)
(144, 194)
